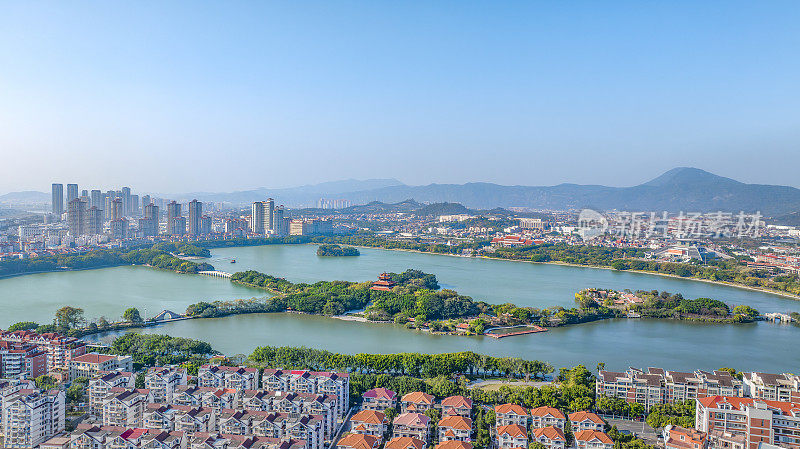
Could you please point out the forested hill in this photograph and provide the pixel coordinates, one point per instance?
(680, 189)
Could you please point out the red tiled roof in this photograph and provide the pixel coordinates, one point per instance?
(514, 430)
(453, 444)
(418, 397)
(369, 416)
(510, 408)
(545, 410)
(584, 415)
(457, 401)
(93, 358)
(549, 432)
(589, 435)
(379, 393)
(456, 422)
(404, 443)
(358, 441)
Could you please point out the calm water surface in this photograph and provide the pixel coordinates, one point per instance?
(618, 343)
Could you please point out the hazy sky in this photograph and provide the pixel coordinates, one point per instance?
(173, 96)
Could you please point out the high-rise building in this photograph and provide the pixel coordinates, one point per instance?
(58, 200)
(76, 217)
(277, 222)
(72, 192)
(134, 211)
(257, 218)
(269, 214)
(117, 209)
(151, 211)
(85, 193)
(94, 221)
(97, 199)
(119, 227)
(145, 201)
(195, 214)
(205, 224)
(176, 224)
(126, 200)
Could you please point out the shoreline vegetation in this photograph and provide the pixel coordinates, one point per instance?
(326, 250)
(417, 302)
(722, 272)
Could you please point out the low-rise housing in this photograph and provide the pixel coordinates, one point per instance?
(512, 436)
(592, 439)
(369, 422)
(550, 437)
(411, 425)
(416, 401)
(756, 420)
(547, 416)
(379, 399)
(92, 364)
(457, 405)
(507, 414)
(455, 427)
(358, 441)
(584, 420)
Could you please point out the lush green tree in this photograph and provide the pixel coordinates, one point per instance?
(23, 326)
(131, 315)
(45, 382)
(69, 317)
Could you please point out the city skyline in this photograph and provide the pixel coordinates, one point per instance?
(593, 94)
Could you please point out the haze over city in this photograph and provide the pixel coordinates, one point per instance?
(181, 96)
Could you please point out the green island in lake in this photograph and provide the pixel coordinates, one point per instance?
(337, 251)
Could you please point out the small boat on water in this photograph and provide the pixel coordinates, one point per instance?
(233, 260)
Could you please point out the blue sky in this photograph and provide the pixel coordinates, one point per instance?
(182, 96)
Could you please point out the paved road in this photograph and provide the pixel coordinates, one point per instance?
(638, 428)
(502, 382)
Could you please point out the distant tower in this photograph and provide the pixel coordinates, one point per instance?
(76, 217)
(195, 214)
(97, 199)
(176, 224)
(126, 200)
(269, 215)
(72, 192)
(58, 200)
(94, 221)
(117, 209)
(257, 218)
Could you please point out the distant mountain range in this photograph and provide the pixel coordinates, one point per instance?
(680, 189)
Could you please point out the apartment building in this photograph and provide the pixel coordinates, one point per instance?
(457, 405)
(92, 364)
(237, 378)
(508, 414)
(511, 436)
(98, 437)
(100, 388)
(754, 421)
(312, 382)
(677, 437)
(8, 388)
(31, 417)
(162, 382)
(358, 441)
(369, 422)
(21, 360)
(417, 402)
(379, 399)
(658, 386)
(592, 439)
(454, 427)
(124, 407)
(323, 405)
(414, 425)
(772, 387)
(60, 349)
(544, 416)
(550, 437)
(210, 397)
(586, 421)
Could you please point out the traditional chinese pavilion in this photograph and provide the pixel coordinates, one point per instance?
(384, 283)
